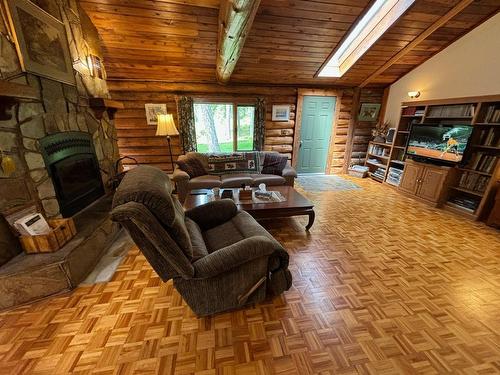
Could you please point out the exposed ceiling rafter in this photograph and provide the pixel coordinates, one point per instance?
(235, 21)
(426, 33)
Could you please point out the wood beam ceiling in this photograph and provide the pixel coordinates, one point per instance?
(235, 21)
(419, 39)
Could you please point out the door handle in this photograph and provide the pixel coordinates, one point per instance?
(300, 144)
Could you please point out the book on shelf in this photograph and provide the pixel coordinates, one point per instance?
(465, 202)
(409, 111)
(460, 110)
(489, 137)
(482, 162)
(492, 114)
(473, 182)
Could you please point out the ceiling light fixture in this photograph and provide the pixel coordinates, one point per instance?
(376, 21)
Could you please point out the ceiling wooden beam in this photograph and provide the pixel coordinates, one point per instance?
(235, 21)
(436, 25)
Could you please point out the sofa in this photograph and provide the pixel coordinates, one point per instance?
(219, 258)
(185, 184)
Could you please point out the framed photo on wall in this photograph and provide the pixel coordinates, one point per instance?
(40, 41)
(281, 112)
(369, 112)
(152, 112)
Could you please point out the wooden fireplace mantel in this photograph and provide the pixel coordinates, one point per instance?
(100, 105)
(12, 93)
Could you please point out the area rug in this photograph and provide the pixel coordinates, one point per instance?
(315, 182)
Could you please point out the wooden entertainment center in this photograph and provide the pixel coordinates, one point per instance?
(468, 187)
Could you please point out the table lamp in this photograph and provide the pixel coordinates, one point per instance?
(166, 127)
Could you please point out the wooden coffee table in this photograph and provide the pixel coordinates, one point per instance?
(295, 205)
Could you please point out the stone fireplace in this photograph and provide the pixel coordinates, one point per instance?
(74, 169)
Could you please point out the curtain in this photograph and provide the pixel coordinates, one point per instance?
(185, 114)
(259, 128)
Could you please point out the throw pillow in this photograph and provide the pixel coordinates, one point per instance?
(274, 164)
(247, 162)
(192, 166)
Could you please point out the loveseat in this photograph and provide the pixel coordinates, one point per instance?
(231, 179)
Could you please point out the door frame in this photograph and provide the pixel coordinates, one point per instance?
(298, 122)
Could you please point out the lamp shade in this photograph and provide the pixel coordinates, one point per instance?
(166, 125)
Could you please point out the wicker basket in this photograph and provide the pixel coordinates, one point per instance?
(357, 172)
(62, 231)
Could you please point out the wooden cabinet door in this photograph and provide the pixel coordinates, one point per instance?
(432, 184)
(411, 175)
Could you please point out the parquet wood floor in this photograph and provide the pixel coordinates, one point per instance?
(382, 285)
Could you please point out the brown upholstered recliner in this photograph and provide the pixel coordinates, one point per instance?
(219, 258)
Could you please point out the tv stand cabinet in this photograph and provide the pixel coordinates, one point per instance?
(427, 182)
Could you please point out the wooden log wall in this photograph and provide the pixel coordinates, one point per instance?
(137, 139)
(341, 131)
(363, 129)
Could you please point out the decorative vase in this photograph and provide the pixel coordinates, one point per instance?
(379, 138)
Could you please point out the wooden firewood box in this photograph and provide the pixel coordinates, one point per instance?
(62, 231)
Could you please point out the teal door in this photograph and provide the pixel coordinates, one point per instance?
(315, 131)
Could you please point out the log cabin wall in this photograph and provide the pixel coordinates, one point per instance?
(362, 132)
(137, 139)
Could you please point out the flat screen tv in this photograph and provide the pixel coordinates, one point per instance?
(440, 142)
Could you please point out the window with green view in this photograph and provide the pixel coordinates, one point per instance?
(224, 127)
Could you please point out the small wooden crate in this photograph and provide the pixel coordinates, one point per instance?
(245, 194)
(62, 231)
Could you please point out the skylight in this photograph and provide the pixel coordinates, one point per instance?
(376, 21)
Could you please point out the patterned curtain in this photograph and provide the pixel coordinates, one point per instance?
(259, 129)
(185, 114)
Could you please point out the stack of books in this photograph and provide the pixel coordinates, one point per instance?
(473, 181)
(462, 110)
(483, 162)
(469, 204)
(394, 176)
(489, 137)
(379, 173)
(492, 114)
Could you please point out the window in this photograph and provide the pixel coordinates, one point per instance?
(224, 127)
(376, 21)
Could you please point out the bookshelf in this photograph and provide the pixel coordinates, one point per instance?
(472, 182)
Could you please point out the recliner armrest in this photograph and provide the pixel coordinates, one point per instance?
(213, 213)
(232, 256)
(289, 171)
(179, 175)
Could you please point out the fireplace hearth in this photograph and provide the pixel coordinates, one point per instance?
(72, 164)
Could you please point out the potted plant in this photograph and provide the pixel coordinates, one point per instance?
(380, 131)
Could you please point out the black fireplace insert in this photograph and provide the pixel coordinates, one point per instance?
(72, 164)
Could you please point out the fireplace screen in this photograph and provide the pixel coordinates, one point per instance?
(72, 164)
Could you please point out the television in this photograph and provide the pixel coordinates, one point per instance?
(444, 142)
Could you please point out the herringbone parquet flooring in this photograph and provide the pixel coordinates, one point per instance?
(382, 285)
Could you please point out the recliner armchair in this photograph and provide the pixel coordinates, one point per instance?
(219, 258)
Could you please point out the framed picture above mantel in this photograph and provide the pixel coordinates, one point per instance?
(40, 41)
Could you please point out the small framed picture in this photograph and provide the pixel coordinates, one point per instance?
(369, 112)
(152, 112)
(281, 112)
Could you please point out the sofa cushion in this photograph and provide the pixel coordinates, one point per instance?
(204, 182)
(220, 164)
(197, 155)
(192, 166)
(197, 241)
(268, 179)
(274, 163)
(236, 180)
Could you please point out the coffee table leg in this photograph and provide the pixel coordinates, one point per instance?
(311, 215)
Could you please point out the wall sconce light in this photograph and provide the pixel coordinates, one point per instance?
(413, 94)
